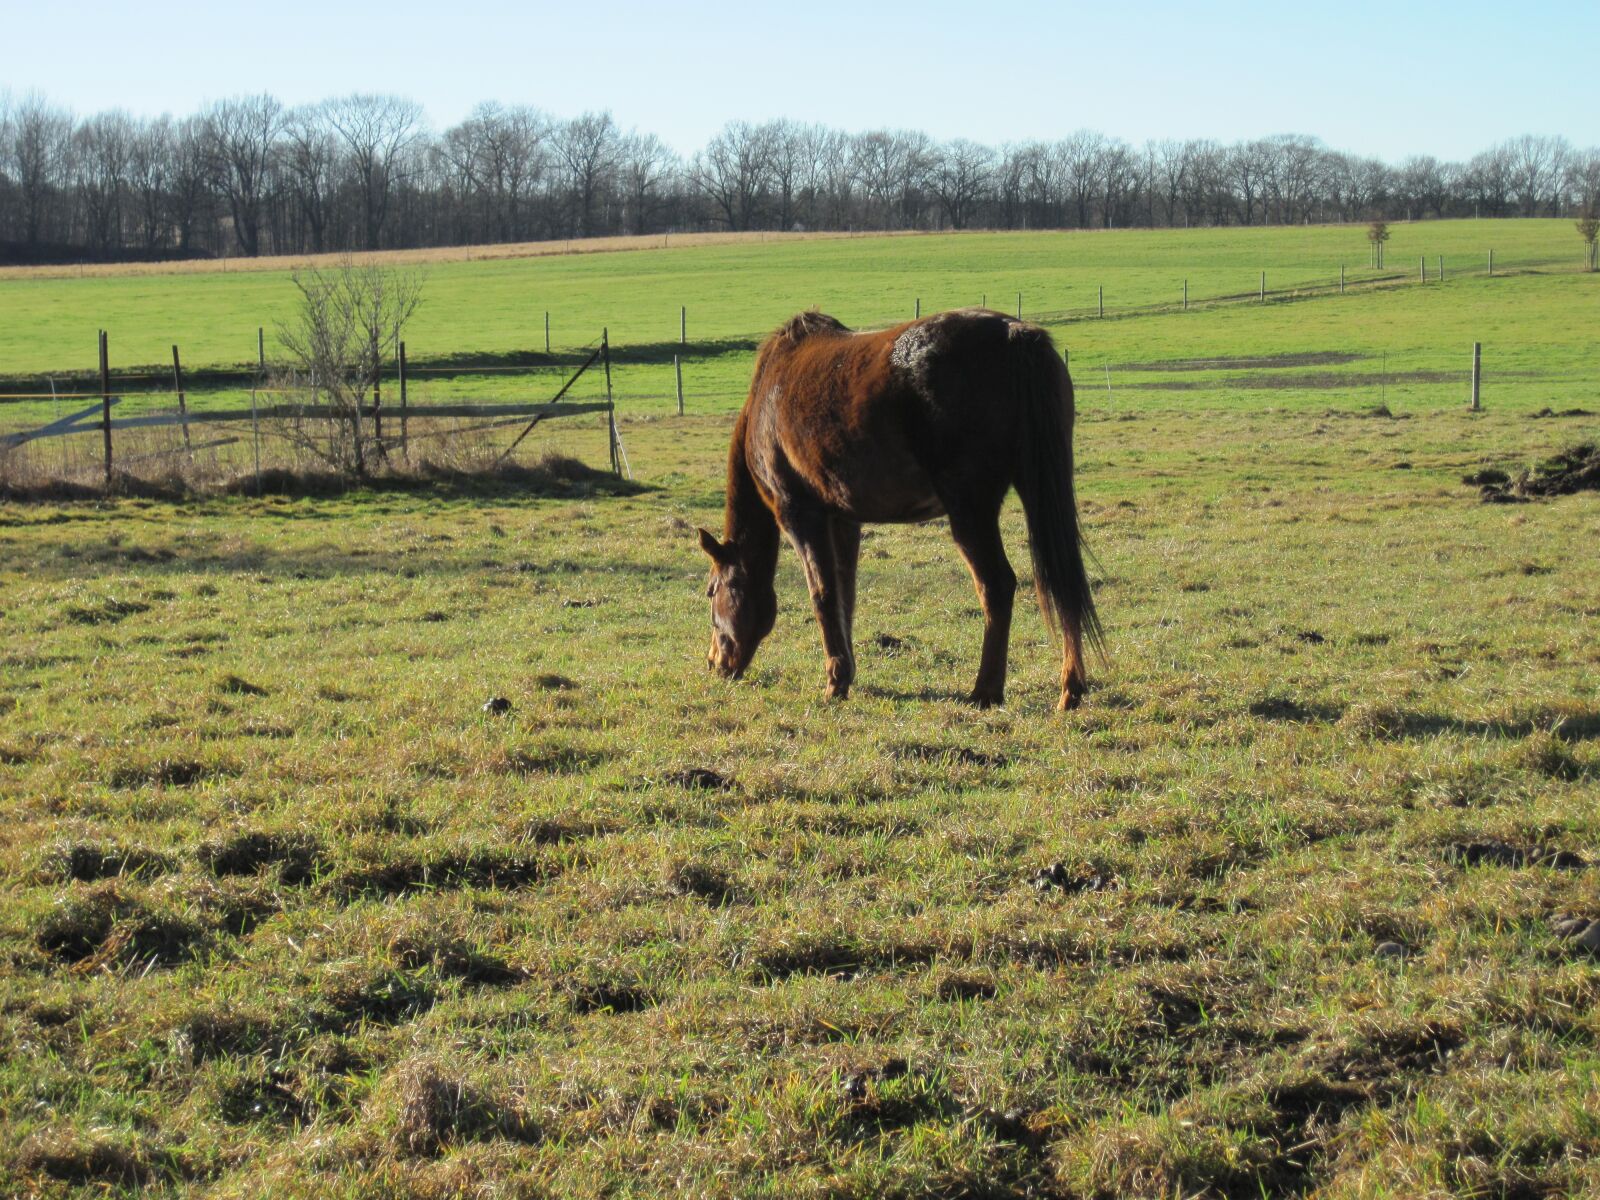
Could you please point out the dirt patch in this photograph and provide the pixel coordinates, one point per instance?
(234, 685)
(701, 880)
(382, 998)
(102, 926)
(469, 869)
(1503, 854)
(1283, 708)
(957, 985)
(963, 756)
(699, 779)
(1309, 358)
(1576, 469)
(610, 996)
(297, 855)
(452, 958)
(89, 861)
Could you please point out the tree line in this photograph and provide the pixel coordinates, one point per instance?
(248, 176)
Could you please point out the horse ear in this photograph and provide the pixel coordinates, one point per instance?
(717, 550)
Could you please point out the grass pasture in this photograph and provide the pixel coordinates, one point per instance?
(285, 912)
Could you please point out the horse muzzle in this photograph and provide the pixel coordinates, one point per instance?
(726, 665)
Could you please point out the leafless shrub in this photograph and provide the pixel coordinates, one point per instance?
(349, 320)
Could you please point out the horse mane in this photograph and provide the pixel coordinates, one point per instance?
(807, 324)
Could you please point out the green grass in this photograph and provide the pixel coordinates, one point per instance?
(284, 912)
(1535, 330)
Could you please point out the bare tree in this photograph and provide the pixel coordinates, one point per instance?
(647, 167)
(310, 158)
(961, 178)
(789, 149)
(1536, 164)
(101, 148)
(1081, 156)
(188, 186)
(377, 132)
(243, 134)
(41, 138)
(349, 320)
(587, 149)
(150, 161)
(734, 172)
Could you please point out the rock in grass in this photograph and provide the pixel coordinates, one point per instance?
(1390, 952)
(497, 706)
(1589, 939)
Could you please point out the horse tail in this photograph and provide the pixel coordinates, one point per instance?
(1043, 392)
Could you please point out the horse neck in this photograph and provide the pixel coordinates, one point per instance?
(748, 523)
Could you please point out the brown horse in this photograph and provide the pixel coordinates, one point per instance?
(937, 417)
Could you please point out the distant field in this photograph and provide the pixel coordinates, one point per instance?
(1389, 340)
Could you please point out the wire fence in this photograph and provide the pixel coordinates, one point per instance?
(495, 391)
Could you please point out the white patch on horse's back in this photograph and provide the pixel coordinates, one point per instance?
(911, 348)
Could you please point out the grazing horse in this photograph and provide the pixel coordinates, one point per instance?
(937, 417)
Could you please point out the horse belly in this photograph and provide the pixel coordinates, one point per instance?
(886, 491)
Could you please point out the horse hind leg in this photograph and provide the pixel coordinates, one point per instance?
(978, 539)
(847, 558)
(1074, 680)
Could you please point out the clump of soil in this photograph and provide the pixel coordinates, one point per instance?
(1576, 469)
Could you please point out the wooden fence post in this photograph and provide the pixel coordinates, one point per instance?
(1477, 374)
(1441, 268)
(1102, 299)
(1341, 279)
(917, 313)
(1185, 295)
(547, 331)
(683, 324)
(255, 432)
(105, 400)
(183, 407)
(1491, 262)
(1422, 268)
(1263, 287)
(1019, 306)
(611, 405)
(405, 444)
(261, 351)
(677, 369)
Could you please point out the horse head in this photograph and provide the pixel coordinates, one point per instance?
(743, 607)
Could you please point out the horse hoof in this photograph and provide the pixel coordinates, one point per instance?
(834, 692)
(987, 699)
(1069, 701)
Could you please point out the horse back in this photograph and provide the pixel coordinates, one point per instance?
(877, 425)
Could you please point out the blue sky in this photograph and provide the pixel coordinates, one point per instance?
(1379, 78)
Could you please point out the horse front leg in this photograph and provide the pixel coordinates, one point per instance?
(978, 539)
(812, 536)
